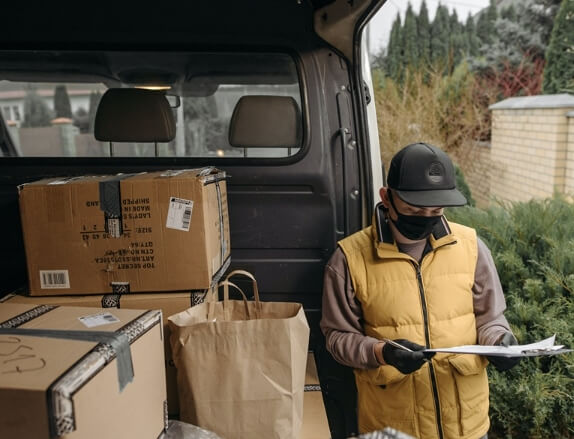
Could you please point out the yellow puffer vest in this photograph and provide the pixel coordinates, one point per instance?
(430, 304)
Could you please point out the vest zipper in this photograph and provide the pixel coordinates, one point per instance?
(427, 341)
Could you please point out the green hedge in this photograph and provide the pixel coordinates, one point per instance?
(533, 247)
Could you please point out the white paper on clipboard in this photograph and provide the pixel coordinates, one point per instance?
(543, 347)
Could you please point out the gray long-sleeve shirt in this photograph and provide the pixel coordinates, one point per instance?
(342, 316)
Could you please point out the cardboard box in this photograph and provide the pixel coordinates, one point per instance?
(168, 303)
(65, 373)
(315, 424)
(157, 231)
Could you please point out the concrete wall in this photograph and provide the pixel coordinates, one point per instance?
(529, 152)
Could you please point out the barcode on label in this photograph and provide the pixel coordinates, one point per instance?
(186, 218)
(54, 279)
(179, 214)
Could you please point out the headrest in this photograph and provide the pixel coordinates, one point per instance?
(134, 115)
(265, 121)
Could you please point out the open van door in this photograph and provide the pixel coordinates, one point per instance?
(297, 183)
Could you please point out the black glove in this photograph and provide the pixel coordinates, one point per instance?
(504, 363)
(406, 362)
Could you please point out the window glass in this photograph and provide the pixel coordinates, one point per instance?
(56, 118)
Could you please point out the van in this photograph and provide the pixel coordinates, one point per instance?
(303, 167)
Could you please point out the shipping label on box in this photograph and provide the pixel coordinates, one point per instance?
(157, 231)
(69, 371)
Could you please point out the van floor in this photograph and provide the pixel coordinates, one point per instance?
(315, 425)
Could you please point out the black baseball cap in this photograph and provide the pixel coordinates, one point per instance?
(423, 175)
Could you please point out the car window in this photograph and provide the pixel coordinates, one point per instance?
(56, 118)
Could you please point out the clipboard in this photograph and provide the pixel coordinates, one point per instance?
(544, 347)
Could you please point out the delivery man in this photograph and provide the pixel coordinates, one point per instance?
(413, 280)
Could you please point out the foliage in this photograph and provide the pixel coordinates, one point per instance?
(463, 186)
(410, 38)
(507, 80)
(485, 25)
(440, 36)
(511, 56)
(538, 16)
(505, 45)
(418, 43)
(472, 39)
(62, 105)
(424, 34)
(36, 111)
(446, 111)
(559, 71)
(532, 244)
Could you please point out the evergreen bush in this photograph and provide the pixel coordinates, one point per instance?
(532, 244)
(463, 186)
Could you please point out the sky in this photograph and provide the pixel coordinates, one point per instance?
(380, 26)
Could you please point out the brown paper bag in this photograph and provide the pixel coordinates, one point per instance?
(241, 365)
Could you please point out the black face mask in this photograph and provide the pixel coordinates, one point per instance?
(413, 227)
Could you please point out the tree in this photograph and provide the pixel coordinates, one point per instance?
(472, 39)
(512, 59)
(393, 64)
(559, 71)
(537, 16)
(492, 11)
(424, 34)
(36, 111)
(440, 35)
(457, 40)
(509, 13)
(409, 34)
(485, 28)
(62, 105)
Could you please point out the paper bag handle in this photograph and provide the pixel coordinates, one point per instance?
(250, 276)
(226, 284)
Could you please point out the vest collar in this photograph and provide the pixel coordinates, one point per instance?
(383, 236)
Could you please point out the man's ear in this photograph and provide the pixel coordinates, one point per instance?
(383, 192)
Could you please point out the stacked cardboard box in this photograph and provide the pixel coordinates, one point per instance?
(156, 231)
(169, 303)
(157, 240)
(73, 372)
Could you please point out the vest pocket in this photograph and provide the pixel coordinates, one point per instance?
(471, 383)
(386, 405)
(381, 376)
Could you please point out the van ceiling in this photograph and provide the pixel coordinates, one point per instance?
(44, 42)
(129, 23)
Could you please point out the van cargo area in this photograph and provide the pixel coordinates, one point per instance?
(272, 99)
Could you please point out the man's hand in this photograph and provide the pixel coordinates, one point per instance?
(406, 362)
(504, 363)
